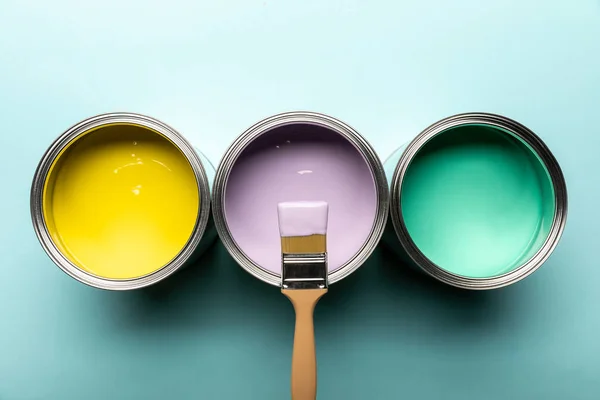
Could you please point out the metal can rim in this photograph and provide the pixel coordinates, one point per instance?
(546, 157)
(289, 118)
(40, 176)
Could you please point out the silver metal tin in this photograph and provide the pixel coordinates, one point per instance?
(291, 118)
(202, 235)
(397, 164)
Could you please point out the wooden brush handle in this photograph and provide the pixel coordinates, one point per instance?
(304, 360)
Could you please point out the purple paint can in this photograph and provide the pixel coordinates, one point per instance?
(299, 156)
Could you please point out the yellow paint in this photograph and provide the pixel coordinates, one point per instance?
(121, 201)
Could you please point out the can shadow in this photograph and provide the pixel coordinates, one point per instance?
(386, 295)
(210, 294)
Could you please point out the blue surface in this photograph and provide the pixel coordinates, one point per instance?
(210, 70)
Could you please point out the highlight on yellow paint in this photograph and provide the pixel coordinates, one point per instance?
(121, 201)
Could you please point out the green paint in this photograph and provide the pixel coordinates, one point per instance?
(477, 201)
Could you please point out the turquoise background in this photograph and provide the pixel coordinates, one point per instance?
(211, 70)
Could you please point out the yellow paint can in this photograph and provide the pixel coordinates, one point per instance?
(120, 201)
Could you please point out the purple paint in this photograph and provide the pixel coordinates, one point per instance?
(302, 218)
(300, 162)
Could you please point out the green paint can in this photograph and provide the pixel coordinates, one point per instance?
(477, 201)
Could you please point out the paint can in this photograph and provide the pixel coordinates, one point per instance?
(121, 201)
(477, 201)
(299, 156)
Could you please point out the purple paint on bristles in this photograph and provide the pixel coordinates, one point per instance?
(302, 218)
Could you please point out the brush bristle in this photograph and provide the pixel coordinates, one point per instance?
(303, 226)
(304, 244)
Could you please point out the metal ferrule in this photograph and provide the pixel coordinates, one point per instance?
(304, 271)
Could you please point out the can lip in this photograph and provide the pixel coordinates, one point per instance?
(36, 200)
(291, 118)
(547, 158)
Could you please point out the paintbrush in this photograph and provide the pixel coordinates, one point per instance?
(303, 228)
